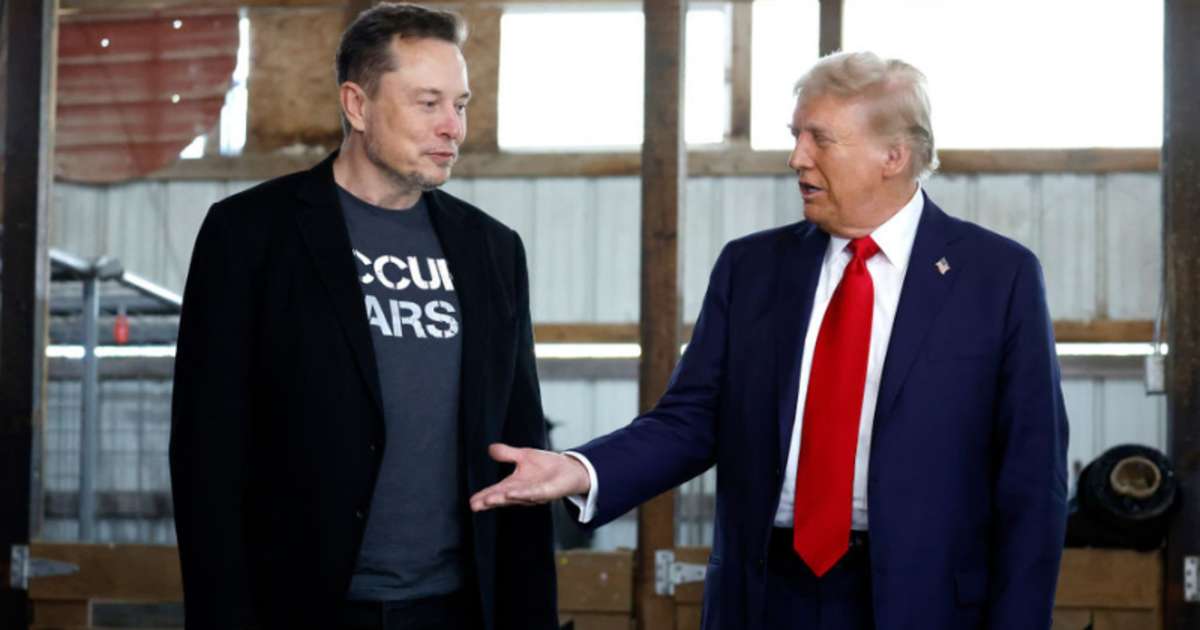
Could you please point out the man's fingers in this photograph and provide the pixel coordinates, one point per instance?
(501, 495)
(504, 453)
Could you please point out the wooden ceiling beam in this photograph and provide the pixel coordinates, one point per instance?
(71, 6)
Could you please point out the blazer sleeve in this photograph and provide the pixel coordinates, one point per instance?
(210, 412)
(1030, 492)
(526, 586)
(676, 440)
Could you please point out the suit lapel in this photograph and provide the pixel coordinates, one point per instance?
(795, 285)
(328, 241)
(921, 299)
(466, 252)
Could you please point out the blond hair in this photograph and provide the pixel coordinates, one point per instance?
(895, 91)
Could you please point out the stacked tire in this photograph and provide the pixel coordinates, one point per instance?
(1124, 499)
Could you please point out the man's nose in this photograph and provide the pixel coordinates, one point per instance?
(452, 125)
(800, 158)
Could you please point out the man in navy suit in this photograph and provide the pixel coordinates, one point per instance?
(878, 388)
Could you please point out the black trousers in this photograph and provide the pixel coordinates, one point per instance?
(456, 611)
(799, 600)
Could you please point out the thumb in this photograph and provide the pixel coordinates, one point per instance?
(504, 453)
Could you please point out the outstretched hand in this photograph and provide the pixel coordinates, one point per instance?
(540, 477)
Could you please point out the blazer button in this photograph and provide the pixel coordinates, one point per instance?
(372, 447)
(358, 514)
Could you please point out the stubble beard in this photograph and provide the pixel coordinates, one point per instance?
(412, 181)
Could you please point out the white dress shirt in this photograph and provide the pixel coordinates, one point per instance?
(887, 268)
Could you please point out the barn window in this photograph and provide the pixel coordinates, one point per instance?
(571, 77)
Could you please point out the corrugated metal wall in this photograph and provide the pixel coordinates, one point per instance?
(1098, 236)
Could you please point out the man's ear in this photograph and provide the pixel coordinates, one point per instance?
(354, 103)
(897, 160)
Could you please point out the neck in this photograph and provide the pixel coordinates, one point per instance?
(355, 172)
(890, 200)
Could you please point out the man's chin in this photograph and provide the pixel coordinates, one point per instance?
(430, 181)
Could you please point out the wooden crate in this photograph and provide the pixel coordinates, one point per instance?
(134, 574)
(1110, 589)
(595, 589)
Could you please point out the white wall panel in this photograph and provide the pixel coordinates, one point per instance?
(701, 239)
(565, 250)
(617, 253)
(1132, 255)
(1130, 416)
(77, 215)
(953, 194)
(1070, 227)
(1098, 237)
(186, 205)
(1007, 204)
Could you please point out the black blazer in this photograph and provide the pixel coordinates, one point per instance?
(277, 423)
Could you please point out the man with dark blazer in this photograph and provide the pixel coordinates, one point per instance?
(351, 341)
(877, 386)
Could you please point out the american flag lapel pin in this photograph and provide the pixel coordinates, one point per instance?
(942, 265)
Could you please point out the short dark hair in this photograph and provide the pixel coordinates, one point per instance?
(365, 54)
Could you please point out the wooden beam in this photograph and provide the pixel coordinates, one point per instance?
(1048, 160)
(30, 44)
(740, 71)
(482, 52)
(831, 27)
(72, 6)
(144, 573)
(1181, 195)
(664, 175)
(1104, 331)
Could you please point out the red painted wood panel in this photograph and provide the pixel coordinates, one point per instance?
(134, 89)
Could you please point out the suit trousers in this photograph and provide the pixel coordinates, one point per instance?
(799, 600)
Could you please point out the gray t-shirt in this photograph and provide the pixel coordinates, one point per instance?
(414, 541)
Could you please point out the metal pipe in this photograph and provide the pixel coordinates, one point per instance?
(89, 430)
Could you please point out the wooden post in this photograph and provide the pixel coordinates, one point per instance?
(482, 52)
(354, 7)
(664, 169)
(1181, 200)
(30, 43)
(831, 26)
(741, 68)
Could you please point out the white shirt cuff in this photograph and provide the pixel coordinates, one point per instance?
(586, 504)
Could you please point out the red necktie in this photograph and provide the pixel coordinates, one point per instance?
(825, 466)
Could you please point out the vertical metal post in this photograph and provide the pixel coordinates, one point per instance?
(89, 430)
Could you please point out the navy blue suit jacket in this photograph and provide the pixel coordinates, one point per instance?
(967, 483)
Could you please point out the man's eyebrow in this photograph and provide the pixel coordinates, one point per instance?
(813, 128)
(431, 91)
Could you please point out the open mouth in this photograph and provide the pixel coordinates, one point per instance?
(808, 190)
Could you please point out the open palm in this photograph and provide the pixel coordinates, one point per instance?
(540, 477)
